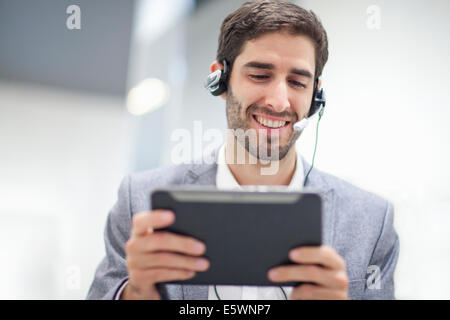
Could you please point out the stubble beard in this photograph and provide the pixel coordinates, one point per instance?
(267, 145)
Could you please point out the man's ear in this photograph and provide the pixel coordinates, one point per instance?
(216, 66)
(224, 96)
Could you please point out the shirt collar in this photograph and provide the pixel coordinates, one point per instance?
(226, 180)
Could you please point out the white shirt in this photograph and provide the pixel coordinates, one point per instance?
(226, 180)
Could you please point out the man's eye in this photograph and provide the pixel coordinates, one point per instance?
(258, 76)
(297, 84)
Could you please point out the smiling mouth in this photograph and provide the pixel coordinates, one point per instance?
(270, 123)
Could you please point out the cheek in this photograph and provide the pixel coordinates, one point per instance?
(249, 94)
(302, 105)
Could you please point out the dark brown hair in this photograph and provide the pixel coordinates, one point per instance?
(256, 18)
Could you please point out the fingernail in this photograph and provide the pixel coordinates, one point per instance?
(295, 254)
(166, 216)
(202, 263)
(273, 274)
(199, 247)
(190, 273)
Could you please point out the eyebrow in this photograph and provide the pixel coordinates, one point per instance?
(270, 66)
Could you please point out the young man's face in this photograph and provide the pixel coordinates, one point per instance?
(272, 80)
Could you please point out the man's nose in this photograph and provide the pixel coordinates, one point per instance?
(278, 96)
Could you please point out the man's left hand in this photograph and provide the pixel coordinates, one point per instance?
(322, 266)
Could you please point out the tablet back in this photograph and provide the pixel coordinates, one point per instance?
(246, 233)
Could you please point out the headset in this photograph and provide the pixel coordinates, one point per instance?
(216, 84)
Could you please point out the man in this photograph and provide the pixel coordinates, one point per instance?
(275, 52)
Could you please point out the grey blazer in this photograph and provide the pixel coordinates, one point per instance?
(356, 223)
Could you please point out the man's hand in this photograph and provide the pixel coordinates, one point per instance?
(159, 256)
(330, 278)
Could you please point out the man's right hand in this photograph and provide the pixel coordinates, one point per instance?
(159, 256)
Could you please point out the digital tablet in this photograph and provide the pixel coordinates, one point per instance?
(246, 232)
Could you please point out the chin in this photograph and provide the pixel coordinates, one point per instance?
(269, 154)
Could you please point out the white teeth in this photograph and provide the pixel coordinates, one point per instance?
(269, 123)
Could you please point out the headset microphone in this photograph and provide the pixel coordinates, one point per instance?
(317, 105)
(301, 125)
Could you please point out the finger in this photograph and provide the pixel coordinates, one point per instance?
(323, 255)
(312, 292)
(166, 241)
(161, 275)
(167, 260)
(146, 221)
(310, 273)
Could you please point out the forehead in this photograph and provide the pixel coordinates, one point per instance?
(282, 49)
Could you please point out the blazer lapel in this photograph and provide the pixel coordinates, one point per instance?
(318, 184)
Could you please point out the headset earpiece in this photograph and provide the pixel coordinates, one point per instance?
(318, 101)
(216, 82)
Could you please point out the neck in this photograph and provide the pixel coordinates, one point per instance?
(253, 172)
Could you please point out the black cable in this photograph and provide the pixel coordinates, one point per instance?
(315, 147)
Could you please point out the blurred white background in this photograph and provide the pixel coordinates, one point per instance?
(67, 139)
